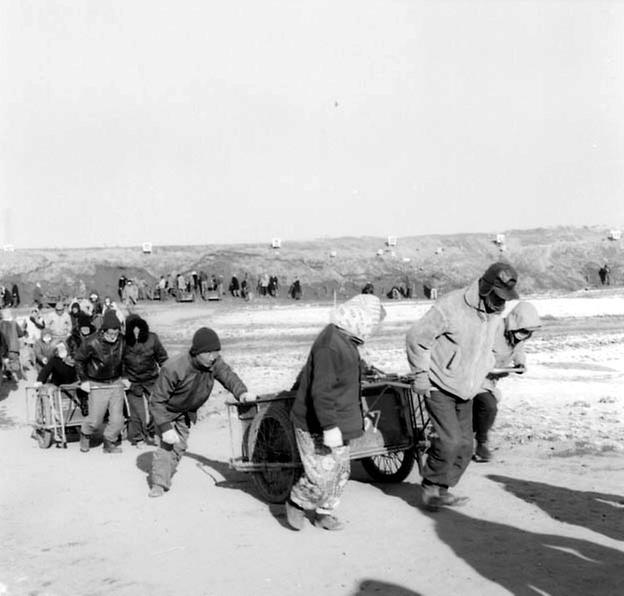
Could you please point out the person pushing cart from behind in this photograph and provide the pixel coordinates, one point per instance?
(99, 362)
(184, 384)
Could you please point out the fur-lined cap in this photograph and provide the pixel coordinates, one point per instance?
(133, 322)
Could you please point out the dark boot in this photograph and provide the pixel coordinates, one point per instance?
(110, 447)
(85, 442)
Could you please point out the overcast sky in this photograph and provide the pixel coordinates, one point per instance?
(237, 121)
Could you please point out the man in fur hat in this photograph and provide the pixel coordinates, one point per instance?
(143, 357)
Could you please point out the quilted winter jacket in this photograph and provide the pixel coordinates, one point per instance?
(183, 387)
(142, 359)
(453, 343)
(328, 392)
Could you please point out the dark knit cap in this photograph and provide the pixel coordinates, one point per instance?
(84, 320)
(205, 340)
(110, 321)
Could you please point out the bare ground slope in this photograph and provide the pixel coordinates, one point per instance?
(547, 259)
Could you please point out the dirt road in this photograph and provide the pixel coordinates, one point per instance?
(547, 517)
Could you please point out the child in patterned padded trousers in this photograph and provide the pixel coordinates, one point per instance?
(327, 411)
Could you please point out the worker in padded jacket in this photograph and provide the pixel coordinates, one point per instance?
(183, 386)
(327, 411)
(450, 351)
(143, 357)
(99, 362)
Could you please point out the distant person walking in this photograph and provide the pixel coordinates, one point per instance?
(16, 295)
(38, 296)
(234, 286)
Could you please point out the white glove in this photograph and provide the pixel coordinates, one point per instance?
(170, 437)
(332, 437)
(85, 386)
(126, 384)
(246, 397)
(37, 384)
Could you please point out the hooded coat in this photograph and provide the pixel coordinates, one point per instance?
(328, 387)
(507, 351)
(144, 355)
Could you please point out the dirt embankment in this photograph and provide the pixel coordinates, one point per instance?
(559, 259)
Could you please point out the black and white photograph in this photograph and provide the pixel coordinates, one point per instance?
(311, 297)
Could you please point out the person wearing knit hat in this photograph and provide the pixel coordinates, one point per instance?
(327, 411)
(99, 362)
(183, 385)
(450, 351)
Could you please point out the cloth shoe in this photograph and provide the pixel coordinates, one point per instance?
(328, 522)
(85, 442)
(430, 496)
(110, 447)
(482, 453)
(156, 491)
(448, 499)
(295, 515)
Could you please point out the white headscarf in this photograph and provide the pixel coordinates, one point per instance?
(359, 316)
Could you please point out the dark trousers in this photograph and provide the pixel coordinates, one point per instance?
(484, 409)
(140, 426)
(451, 449)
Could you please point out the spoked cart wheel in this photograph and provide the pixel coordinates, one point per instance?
(271, 444)
(390, 467)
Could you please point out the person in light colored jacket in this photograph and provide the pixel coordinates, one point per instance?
(511, 335)
(450, 351)
(59, 322)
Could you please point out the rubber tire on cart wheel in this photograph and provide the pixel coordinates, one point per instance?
(272, 440)
(43, 438)
(390, 467)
